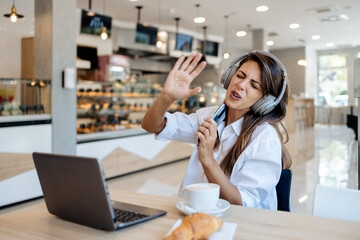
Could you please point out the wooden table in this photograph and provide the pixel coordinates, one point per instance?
(36, 223)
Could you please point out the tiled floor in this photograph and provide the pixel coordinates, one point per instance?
(324, 154)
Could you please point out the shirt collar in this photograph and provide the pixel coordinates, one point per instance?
(236, 126)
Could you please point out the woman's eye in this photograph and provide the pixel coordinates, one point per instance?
(240, 76)
(253, 85)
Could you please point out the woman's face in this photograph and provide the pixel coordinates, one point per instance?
(244, 89)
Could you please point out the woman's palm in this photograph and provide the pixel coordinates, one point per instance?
(178, 82)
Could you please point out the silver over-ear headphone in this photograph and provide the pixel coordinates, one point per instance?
(268, 102)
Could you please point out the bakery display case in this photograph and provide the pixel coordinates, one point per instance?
(104, 107)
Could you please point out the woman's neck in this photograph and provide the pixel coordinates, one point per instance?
(234, 115)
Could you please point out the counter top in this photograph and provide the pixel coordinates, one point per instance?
(91, 137)
(25, 118)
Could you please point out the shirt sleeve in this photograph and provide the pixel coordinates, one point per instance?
(179, 127)
(260, 169)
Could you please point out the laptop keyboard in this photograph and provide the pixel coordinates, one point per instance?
(126, 216)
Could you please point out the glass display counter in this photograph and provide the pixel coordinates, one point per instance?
(24, 100)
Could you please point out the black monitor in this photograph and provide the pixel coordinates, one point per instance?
(183, 42)
(211, 48)
(146, 34)
(88, 53)
(93, 24)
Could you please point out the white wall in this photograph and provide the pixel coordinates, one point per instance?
(295, 72)
(11, 34)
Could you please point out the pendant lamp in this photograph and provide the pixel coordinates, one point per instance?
(13, 15)
(104, 35)
(226, 54)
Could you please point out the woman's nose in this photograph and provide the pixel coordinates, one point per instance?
(242, 84)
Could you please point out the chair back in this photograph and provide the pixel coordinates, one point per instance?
(283, 190)
(341, 203)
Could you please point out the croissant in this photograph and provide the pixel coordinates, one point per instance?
(196, 226)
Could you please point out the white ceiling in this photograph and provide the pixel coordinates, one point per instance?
(243, 16)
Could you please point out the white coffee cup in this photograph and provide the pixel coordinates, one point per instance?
(202, 196)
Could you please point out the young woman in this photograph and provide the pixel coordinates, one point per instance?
(245, 153)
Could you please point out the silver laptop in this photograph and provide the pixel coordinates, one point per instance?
(75, 189)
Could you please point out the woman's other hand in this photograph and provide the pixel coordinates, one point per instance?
(183, 73)
(207, 134)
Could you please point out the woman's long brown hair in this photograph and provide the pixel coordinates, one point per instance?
(272, 80)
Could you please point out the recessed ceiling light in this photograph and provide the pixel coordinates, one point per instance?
(199, 20)
(133, 0)
(315, 37)
(270, 43)
(302, 62)
(330, 44)
(262, 8)
(241, 33)
(294, 25)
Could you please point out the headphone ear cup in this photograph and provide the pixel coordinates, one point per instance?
(228, 75)
(264, 105)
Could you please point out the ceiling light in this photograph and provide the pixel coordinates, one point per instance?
(302, 62)
(270, 43)
(294, 25)
(198, 19)
(226, 55)
(303, 199)
(90, 12)
(133, 0)
(330, 44)
(104, 34)
(315, 37)
(262, 8)
(241, 33)
(159, 44)
(13, 15)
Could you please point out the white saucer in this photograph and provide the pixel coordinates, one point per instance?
(221, 206)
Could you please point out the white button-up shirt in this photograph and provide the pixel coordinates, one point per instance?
(257, 169)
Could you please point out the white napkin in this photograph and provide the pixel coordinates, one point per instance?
(227, 231)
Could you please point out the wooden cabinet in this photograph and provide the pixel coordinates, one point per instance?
(27, 58)
(300, 113)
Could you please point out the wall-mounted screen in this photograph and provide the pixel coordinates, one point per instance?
(146, 34)
(88, 53)
(93, 24)
(183, 42)
(211, 48)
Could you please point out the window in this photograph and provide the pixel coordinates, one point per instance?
(333, 80)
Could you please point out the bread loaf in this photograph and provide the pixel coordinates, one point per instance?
(196, 226)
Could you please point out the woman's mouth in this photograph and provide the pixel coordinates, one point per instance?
(234, 95)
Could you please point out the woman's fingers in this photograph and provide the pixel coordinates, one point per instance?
(210, 124)
(205, 131)
(178, 63)
(193, 63)
(198, 70)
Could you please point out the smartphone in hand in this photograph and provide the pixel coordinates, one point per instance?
(218, 117)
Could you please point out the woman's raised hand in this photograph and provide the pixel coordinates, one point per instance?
(177, 85)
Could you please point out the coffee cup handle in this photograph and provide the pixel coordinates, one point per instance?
(184, 192)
